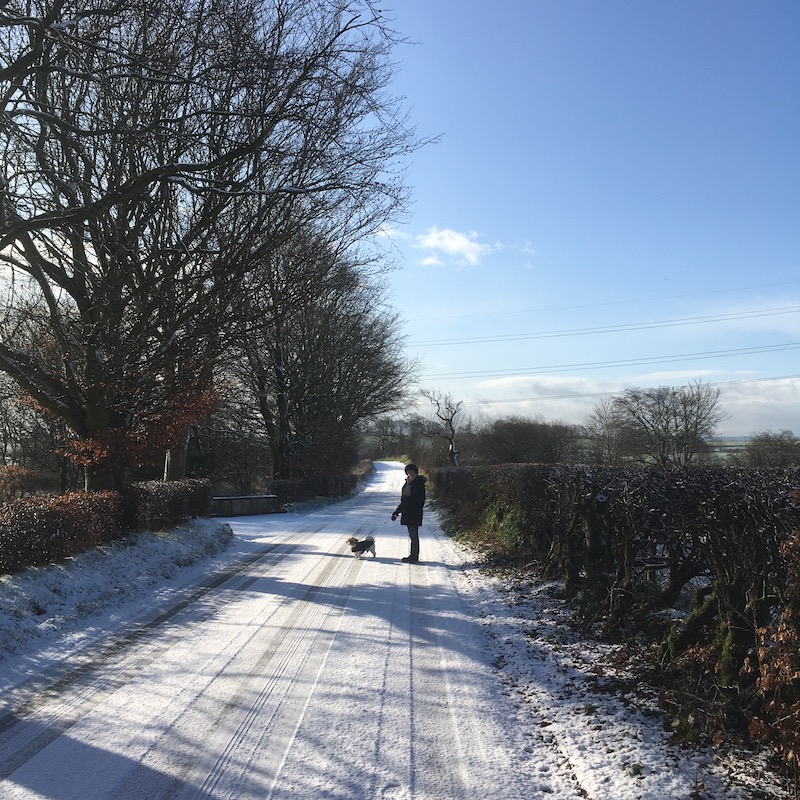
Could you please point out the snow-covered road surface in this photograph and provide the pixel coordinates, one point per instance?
(295, 671)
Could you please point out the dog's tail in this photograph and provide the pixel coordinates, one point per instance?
(369, 539)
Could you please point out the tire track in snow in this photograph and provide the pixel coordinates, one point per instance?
(38, 712)
(254, 710)
(418, 722)
(438, 767)
(288, 671)
(454, 727)
(68, 696)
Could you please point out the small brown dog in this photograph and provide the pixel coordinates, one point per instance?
(366, 545)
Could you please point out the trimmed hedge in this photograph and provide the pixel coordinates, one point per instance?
(47, 529)
(43, 530)
(152, 505)
(295, 490)
(619, 535)
(630, 542)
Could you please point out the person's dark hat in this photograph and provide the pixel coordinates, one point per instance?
(412, 467)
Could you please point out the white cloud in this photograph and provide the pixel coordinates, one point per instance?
(431, 261)
(464, 247)
(751, 405)
(566, 398)
(541, 384)
(682, 377)
(756, 406)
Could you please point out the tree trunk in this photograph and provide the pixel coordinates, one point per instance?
(453, 453)
(99, 479)
(175, 461)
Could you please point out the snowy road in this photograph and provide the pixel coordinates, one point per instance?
(304, 674)
(283, 668)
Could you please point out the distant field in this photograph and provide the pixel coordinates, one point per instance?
(726, 446)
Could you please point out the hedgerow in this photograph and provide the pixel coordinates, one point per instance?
(151, 505)
(716, 546)
(41, 530)
(336, 484)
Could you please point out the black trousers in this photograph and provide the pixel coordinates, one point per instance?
(413, 532)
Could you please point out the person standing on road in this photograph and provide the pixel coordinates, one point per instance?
(412, 499)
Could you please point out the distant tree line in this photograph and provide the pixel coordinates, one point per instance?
(662, 426)
(185, 195)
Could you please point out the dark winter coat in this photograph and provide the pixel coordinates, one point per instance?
(412, 499)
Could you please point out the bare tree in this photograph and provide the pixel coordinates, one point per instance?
(519, 440)
(772, 449)
(669, 425)
(149, 151)
(321, 355)
(404, 436)
(605, 430)
(229, 446)
(446, 424)
(383, 434)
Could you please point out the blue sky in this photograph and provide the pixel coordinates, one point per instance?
(614, 201)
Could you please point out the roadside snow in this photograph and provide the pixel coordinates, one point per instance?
(568, 697)
(65, 605)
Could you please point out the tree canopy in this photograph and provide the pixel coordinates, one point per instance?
(153, 154)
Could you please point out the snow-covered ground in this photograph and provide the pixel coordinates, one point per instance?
(255, 658)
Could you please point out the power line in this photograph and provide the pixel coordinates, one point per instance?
(667, 323)
(676, 358)
(635, 301)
